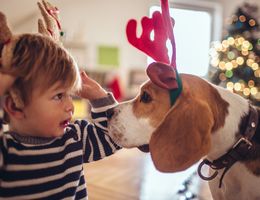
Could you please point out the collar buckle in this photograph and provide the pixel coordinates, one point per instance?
(243, 141)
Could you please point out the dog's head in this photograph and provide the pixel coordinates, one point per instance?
(179, 135)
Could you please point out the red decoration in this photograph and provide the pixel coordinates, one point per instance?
(162, 25)
(114, 87)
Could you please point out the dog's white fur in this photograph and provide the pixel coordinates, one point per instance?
(239, 183)
(131, 130)
(127, 123)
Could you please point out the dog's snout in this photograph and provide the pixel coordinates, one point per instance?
(110, 113)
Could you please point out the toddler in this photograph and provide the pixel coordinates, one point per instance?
(43, 152)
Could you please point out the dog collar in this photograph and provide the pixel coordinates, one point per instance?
(238, 152)
(175, 93)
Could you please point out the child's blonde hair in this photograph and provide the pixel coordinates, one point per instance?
(38, 63)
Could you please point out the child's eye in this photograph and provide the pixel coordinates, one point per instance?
(58, 96)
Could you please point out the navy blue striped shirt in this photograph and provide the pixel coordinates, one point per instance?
(40, 168)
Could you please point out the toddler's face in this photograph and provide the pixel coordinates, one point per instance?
(49, 112)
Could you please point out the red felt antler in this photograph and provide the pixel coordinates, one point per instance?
(169, 24)
(162, 26)
(162, 72)
(154, 48)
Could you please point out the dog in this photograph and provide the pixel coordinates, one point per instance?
(206, 121)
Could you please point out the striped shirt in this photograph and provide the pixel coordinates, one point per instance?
(40, 168)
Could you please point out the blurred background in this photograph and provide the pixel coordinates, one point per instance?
(216, 39)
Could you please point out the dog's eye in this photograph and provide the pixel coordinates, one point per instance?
(145, 97)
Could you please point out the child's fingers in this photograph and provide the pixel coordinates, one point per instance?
(83, 74)
(87, 80)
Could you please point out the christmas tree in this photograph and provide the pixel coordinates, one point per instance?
(235, 61)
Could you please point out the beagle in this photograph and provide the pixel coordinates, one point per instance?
(207, 122)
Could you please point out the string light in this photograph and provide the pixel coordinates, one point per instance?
(228, 66)
(242, 85)
(253, 91)
(240, 60)
(257, 73)
(222, 65)
(214, 62)
(225, 44)
(231, 41)
(251, 83)
(245, 53)
(245, 45)
(255, 66)
(246, 91)
(237, 87)
(240, 40)
(249, 62)
(242, 18)
(237, 57)
(252, 22)
(230, 86)
(234, 63)
(229, 73)
(231, 55)
(222, 77)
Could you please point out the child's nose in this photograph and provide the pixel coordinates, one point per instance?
(69, 106)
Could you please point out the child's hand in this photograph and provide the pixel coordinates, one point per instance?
(6, 82)
(91, 90)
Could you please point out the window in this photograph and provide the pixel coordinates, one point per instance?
(193, 34)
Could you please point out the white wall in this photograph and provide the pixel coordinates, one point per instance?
(93, 22)
(97, 22)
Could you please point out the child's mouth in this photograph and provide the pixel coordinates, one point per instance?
(65, 123)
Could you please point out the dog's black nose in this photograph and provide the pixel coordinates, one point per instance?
(110, 113)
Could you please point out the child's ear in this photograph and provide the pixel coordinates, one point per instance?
(12, 109)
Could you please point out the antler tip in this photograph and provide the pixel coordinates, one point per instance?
(5, 32)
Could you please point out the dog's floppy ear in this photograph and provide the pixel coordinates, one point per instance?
(162, 75)
(183, 137)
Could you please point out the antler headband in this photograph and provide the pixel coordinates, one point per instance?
(51, 18)
(163, 72)
(8, 41)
